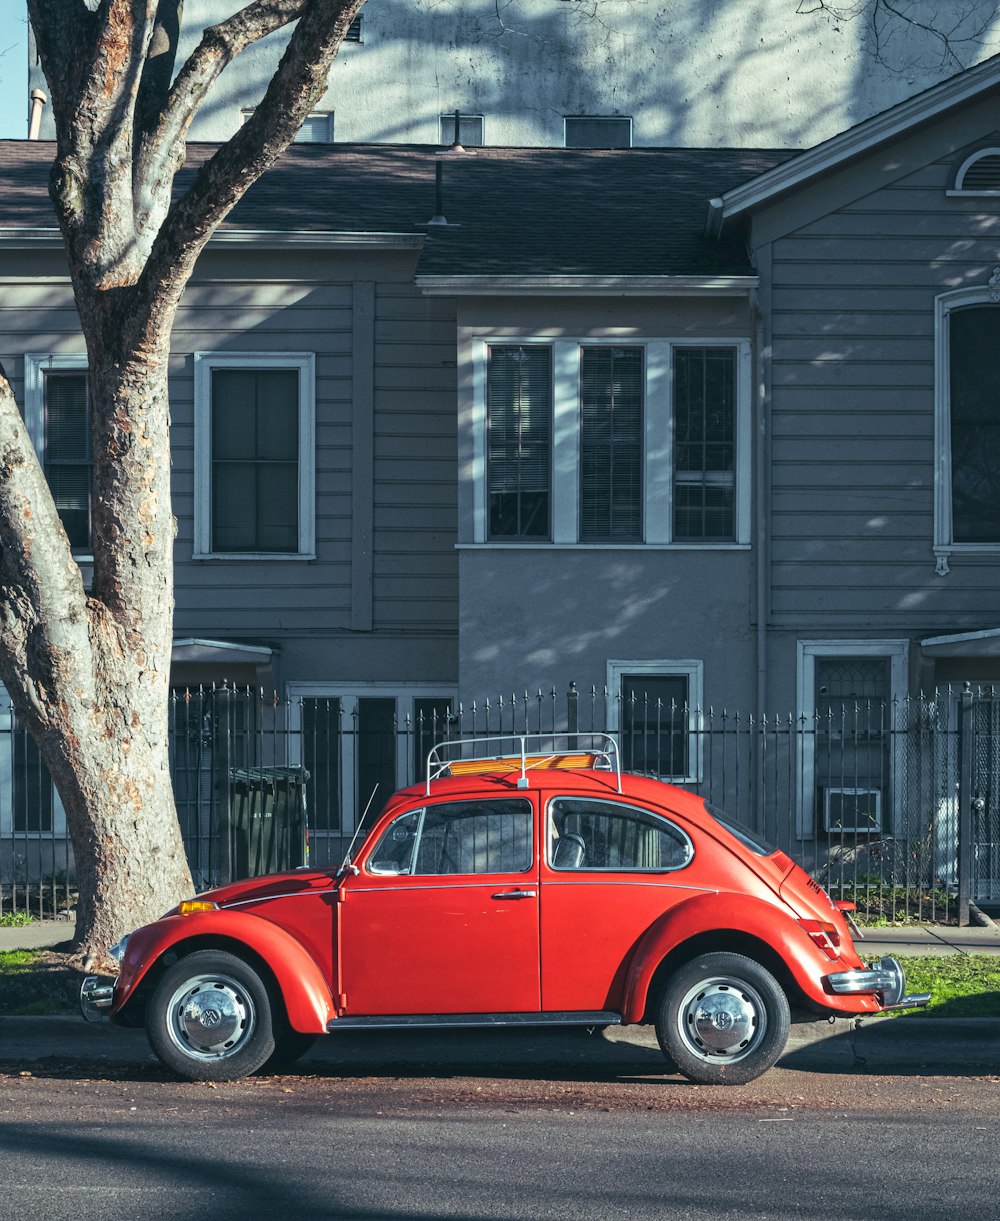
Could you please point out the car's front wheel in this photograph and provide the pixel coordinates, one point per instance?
(723, 1019)
(210, 1017)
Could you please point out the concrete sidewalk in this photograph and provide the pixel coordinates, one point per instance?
(920, 1045)
(912, 939)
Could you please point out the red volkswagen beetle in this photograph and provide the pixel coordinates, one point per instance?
(524, 890)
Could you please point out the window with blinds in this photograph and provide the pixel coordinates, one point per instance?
(611, 433)
(255, 468)
(519, 440)
(68, 456)
(704, 443)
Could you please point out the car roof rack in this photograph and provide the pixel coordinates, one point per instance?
(524, 752)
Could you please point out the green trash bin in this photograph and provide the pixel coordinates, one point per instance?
(268, 824)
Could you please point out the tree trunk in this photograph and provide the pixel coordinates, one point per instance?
(90, 671)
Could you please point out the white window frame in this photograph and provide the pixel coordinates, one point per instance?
(808, 653)
(446, 127)
(327, 115)
(691, 669)
(590, 118)
(36, 366)
(405, 694)
(658, 415)
(205, 363)
(944, 544)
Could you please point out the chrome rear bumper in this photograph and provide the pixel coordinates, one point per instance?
(97, 995)
(887, 979)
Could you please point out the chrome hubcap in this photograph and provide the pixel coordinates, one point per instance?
(722, 1019)
(211, 1017)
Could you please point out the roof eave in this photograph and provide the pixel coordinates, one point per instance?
(585, 285)
(33, 238)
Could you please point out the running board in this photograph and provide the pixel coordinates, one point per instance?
(437, 1021)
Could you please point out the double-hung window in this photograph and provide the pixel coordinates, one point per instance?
(599, 443)
(254, 455)
(57, 414)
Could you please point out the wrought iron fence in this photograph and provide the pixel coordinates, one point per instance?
(896, 806)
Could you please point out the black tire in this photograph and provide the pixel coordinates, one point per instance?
(289, 1046)
(723, 1020)
(211, 1017)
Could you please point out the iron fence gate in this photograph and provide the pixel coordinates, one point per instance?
(895, 805)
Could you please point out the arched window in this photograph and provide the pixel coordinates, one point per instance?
(967, 500)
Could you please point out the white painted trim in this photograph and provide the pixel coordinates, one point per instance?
(565, 458)
(863, 138)
(204, 364)
(944, 304)
(691, 669)
(473, 347)
(960, 638)
(590, 286)
(807, 652)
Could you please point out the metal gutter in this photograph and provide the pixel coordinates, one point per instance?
(48, 237)
(584, 285)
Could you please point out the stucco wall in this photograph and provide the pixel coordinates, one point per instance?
(730, 72)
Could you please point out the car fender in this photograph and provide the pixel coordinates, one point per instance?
(304, 990)
(743, 915)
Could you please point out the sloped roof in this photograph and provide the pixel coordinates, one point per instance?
(511, 211)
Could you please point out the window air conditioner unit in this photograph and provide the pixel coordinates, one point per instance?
(856, 810)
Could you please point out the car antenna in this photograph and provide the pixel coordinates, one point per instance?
(346, 863)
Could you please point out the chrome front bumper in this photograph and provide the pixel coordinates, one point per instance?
(887, 979)
(97, 995)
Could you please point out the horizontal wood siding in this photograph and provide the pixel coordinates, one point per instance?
(279, 598)
(285, 302)
(852, 413)
(415, 576)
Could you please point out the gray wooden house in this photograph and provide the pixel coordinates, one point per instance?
(710, 427)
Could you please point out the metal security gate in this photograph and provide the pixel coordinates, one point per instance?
(895, 805)
(985, 797)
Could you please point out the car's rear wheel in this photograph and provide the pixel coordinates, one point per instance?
(723, 1019)
(210, 1017)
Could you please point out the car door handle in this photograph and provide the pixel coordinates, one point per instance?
(516, 894)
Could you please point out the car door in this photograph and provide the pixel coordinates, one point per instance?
(612, 868)
(443, 916)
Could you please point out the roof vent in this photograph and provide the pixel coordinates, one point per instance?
(980, 173)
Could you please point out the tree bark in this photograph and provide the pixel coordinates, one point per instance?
(88, 671)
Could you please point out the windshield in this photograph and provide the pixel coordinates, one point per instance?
(749, 839)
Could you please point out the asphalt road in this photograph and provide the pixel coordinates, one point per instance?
(575, 1133)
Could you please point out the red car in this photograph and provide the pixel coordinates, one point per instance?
(538, 889)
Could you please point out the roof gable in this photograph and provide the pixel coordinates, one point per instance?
(892, 124)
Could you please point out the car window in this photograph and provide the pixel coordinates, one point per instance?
(748, 838)
(457, 837)
(587, 834)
